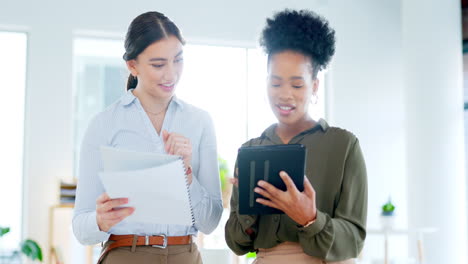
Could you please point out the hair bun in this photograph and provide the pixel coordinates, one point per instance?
(302, 31)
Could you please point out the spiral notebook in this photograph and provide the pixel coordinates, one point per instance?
(155, 184)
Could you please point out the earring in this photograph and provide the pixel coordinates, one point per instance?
(314, 99)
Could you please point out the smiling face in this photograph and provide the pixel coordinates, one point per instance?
(290, 87)
(158, 68)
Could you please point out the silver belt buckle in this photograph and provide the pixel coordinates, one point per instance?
(164, 245)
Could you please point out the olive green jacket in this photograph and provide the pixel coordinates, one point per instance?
(335, 167)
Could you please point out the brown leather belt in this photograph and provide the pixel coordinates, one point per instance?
(160, 241)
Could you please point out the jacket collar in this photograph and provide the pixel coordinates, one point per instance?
(270, 132)
(129, 98)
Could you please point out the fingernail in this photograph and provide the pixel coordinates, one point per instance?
(256, 190)
(261, 183)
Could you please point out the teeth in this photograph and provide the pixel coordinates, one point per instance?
(286, 108)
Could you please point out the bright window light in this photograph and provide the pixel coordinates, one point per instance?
(100, 77)
(13, 76)
(215, 79)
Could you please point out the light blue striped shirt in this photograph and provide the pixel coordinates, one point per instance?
(125, 125)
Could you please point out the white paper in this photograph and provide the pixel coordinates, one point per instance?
(155, 185)
(115, 159)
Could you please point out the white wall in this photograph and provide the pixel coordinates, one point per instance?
(367, 93)
(435, 139)
(366, 81)
(366, 98)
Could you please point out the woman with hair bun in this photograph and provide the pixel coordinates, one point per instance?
(325, 223)
(149, 118)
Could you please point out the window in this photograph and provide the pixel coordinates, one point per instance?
(13, 76)
(230, 83)
(215, 79)
(100, 78)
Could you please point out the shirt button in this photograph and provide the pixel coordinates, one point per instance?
(276, 218)
(247, 221)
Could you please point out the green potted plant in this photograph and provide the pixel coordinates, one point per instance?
(223, 178)
(388, 214)
(28, 247)
(388, 208)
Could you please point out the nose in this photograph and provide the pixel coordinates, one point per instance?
(284, 93)
(171, 73)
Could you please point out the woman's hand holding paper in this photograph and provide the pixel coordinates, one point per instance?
(107, 213)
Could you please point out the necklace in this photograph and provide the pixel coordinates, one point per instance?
(153, 113)
(157, 113)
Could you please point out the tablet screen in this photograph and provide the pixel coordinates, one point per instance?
(264, 163)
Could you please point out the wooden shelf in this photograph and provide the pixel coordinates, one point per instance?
(63, 246)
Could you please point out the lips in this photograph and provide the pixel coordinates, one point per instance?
(285, 109)
(167, 87)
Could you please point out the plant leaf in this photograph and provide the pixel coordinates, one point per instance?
(388, 207)
(251, 255)
(31, 249)
(223, 172)
(4, 230)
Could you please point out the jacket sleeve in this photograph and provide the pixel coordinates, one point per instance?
(235, 230)
(342, 236)
(89, 187)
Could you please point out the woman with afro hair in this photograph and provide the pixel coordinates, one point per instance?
(325, 223)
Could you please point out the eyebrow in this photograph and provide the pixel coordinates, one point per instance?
(292, 78)
(164, 59)
(296, 78)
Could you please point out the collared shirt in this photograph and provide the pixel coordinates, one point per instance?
(125, 125)
(336, 169)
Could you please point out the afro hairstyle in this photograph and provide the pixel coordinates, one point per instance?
(301, 31)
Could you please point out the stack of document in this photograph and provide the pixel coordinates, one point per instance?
(67, 193)
(155, 184)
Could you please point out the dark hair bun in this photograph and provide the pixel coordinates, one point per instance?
(302, 31)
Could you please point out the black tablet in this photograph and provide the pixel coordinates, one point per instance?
(264, 163)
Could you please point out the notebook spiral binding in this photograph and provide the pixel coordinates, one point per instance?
(188, 191)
